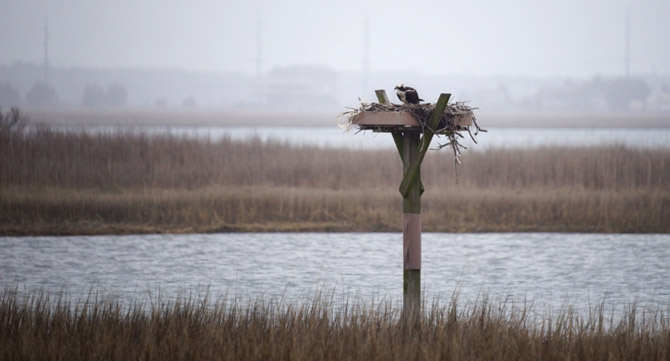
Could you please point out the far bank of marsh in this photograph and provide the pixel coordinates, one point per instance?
(265, 208)
(75, 183)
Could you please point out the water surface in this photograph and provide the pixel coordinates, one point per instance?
(335, 137)
(547, 269)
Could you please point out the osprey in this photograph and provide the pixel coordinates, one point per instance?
(407, 95)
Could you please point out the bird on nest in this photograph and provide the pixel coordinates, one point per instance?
(407, 95)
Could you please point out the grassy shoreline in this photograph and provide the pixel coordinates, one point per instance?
(54, 183)
(278, 209)
(39, 326)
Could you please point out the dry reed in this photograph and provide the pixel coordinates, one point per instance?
(48, 158)
(39, 327)
(59, 183)
(263, 208)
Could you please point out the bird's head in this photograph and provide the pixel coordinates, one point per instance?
(400, 87)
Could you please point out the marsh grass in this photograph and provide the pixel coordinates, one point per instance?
(47, 158)
(39, 327)
(264, 208)
(77, 182)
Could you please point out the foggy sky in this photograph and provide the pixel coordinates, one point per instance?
(522, 37)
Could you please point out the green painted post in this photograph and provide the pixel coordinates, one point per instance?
(382, 98)
(411, 232)
(411, 173)
(397, 136)
(412, 149)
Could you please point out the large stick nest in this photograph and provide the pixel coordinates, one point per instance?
(447, 125)
(422, 112)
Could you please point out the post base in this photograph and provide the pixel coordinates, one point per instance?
(411, 295)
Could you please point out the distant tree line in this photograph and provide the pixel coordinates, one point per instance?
(42, 95)
(9, 96)
(95, 96)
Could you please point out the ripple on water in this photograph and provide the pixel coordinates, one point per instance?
(548, 268)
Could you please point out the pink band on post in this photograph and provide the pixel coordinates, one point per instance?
(411, 241)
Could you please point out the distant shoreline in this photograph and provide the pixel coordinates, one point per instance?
(147, 117)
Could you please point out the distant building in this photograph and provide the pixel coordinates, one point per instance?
(659, 100)
(301, 87)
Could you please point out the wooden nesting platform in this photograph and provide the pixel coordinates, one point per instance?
(392, 121)
(412, 128)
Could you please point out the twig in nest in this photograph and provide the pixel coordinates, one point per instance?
(472, 136)
(423, 113)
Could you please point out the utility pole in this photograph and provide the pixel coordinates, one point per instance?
(46, 51)
(366, 54)
(627, 44)
(260, 89)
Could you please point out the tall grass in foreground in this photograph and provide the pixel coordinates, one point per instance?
(40, 327)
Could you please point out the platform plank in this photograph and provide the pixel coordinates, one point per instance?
(385, 118)
(405, 119)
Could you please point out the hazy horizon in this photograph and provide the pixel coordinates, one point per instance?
(480, 38)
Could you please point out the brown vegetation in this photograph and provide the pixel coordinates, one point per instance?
(64, 183)
(38, 328)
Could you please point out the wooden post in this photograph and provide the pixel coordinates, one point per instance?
(411, 188)
(411, 231)
(412, 172)
(397, 136)
(412, 150)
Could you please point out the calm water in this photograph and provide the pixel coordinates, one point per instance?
(338, 138)
(548, 269)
